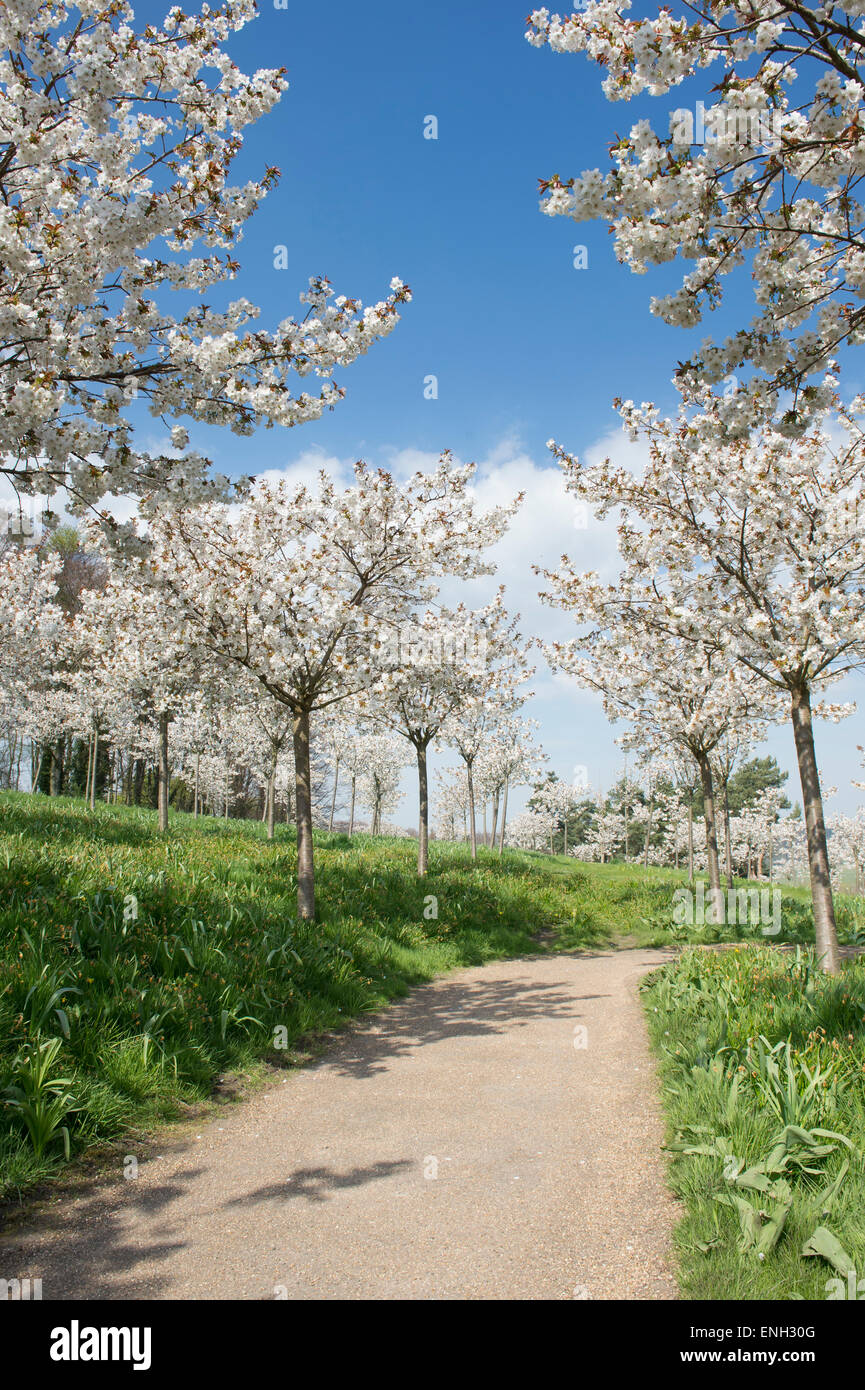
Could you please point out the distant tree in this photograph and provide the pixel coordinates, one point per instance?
(79, 569)
(751, 780)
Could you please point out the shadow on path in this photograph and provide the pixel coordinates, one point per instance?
(443, 1011)
(85, 1247)
(316, 1183)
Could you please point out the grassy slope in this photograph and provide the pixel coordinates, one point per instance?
(706, 1013)
(634, 906)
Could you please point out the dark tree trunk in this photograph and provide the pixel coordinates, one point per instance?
(423, 808)
(56, 783)
(472, 825)
(138, 782)
(648, 834)
(728, 847)
(818, 851)
(504, 819)
(333, 799)
(303, 812)
(271, 795)
(163, 769)
(95, 765)
(711, 822)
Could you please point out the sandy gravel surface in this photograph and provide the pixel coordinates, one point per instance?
(458, 1145)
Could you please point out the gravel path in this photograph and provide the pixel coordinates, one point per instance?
(458, 1145)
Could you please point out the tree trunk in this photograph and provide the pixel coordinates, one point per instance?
(690, 843)
(713, 861)
(333, 799)
(271, 794)
(138, 781)
(504, 818)
(818, 853)
(472, 827)
(163, 769)
(648, 833)
(303, 805)
(728, 848)
(89, 771)
(495, 818)
(351, 813)
(95, 765)
(423, 809)
(197, 763)
(56, 774)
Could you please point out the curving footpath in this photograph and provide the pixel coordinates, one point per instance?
(469, 1142)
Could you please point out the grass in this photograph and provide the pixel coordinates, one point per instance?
(136, 969)
(633, 906)
(763, 1072)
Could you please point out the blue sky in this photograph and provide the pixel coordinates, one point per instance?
(524, 346)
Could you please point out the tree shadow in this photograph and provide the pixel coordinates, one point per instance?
(79, 1248)
(45, 826)
(445, 1010)
(316, 1184)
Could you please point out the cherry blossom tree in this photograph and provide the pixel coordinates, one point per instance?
(757, 552)
(439, 666)
(509, 758)
(451, 803)
(474, 722)
(116, 149)
(557, 801)
(674, 692)
(766, 179)
(733, 748)
(134, 647)
(382, 772)
(848, 843)
(606, 834)
(30, 619)
(303, 587)
(355, 751)
(530, 830)
(34, 652)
